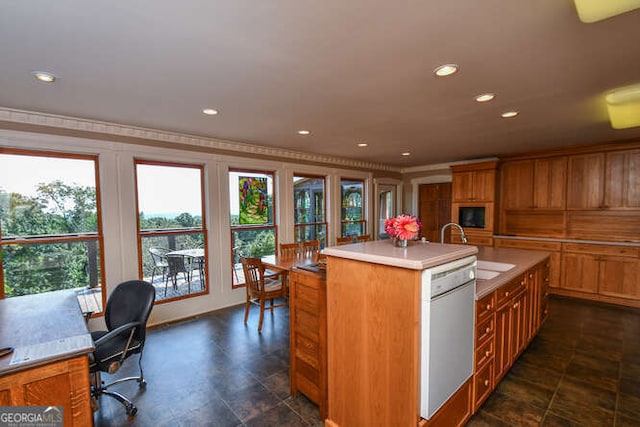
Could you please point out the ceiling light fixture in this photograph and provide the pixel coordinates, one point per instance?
(445, 70)
(304, 132)
(509, 114)
(485, 97)
(406, 153)
(44, 76)
(362, 144)
(596, 10)
(210, 111)
(623, 105)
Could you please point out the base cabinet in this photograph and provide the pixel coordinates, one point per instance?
(308, 336)
(64, 383)
(506, 322)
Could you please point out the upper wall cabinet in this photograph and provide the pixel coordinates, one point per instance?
(604, 180)
(534, 184)
(474, 182)
(622, 180)
(585, 188)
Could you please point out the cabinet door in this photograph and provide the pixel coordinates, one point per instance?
(503, 341)
(586, 181)
(519, 326)
(618, 277)
(462, 186)
(517, 184)
(484, 185)
(550, 183)
(622, 183)
(580, 272)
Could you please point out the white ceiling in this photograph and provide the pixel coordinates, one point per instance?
(349, 71)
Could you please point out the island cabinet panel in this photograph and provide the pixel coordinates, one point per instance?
(308, 336)
(63, 383)
(373, 360)
(506, 321)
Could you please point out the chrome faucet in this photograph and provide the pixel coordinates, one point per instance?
(462, 235)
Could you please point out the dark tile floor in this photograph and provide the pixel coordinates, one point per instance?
(582, 369)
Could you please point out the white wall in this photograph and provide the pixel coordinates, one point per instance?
(116, 163)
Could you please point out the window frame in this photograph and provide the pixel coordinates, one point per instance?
(325, 223)
(233, 228)
(98, 236)
(140, 234)
(362, 219)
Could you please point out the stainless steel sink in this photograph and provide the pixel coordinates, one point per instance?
(494, 266)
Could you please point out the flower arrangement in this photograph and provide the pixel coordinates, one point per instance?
(403, 227)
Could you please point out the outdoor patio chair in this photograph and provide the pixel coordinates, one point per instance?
(159, 259)
(176, 265)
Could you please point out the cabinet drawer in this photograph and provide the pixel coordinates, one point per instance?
(585, 248)
(482, 385)
(485, 307)
(506, 292)
(485, 330)
(484, 354)
(536, 245)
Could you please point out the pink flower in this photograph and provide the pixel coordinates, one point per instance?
(390, 226)
(407, 227)
(403, 226)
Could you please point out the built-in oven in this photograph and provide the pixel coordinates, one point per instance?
(447, 331)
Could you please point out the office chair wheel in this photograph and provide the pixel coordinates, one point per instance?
(142, 384)
(131, 409)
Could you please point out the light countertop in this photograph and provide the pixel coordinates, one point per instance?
(523, 260)
(417, 256)
(42, 328)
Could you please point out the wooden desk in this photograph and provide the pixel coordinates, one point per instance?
(51, 328)
(279, 263)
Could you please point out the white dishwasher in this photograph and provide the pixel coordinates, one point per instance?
(447, 331)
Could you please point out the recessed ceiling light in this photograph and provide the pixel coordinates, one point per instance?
(362, 144)
(623, 105)
(485, 97)
(445, 70)
(596, 10)
(304, 132)
(44, 76)
(509, 114)
(210, 111)
(406, 153)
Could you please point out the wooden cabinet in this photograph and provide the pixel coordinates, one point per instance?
(534, 184)
(506, 322)
(622, 179)
(475, 182)
(605, 270)
(308, 336)
(63, 383)
(585, 187)
(474, 186)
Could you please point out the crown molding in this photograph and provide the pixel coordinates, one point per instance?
(106, 128)
(444, 166)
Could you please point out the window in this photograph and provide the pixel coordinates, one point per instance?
(50, 228)
(352, 217)
(172, 232)
(309, 209)
(253, 231)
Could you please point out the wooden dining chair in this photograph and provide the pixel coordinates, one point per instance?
(289, 250)
(310, 248)
(363, 238)
(260, 288)
(344, 240)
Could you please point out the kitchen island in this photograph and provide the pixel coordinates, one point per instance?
(373, 330)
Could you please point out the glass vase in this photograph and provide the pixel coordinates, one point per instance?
(401, 243)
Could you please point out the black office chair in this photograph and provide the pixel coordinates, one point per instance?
(126, 316)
